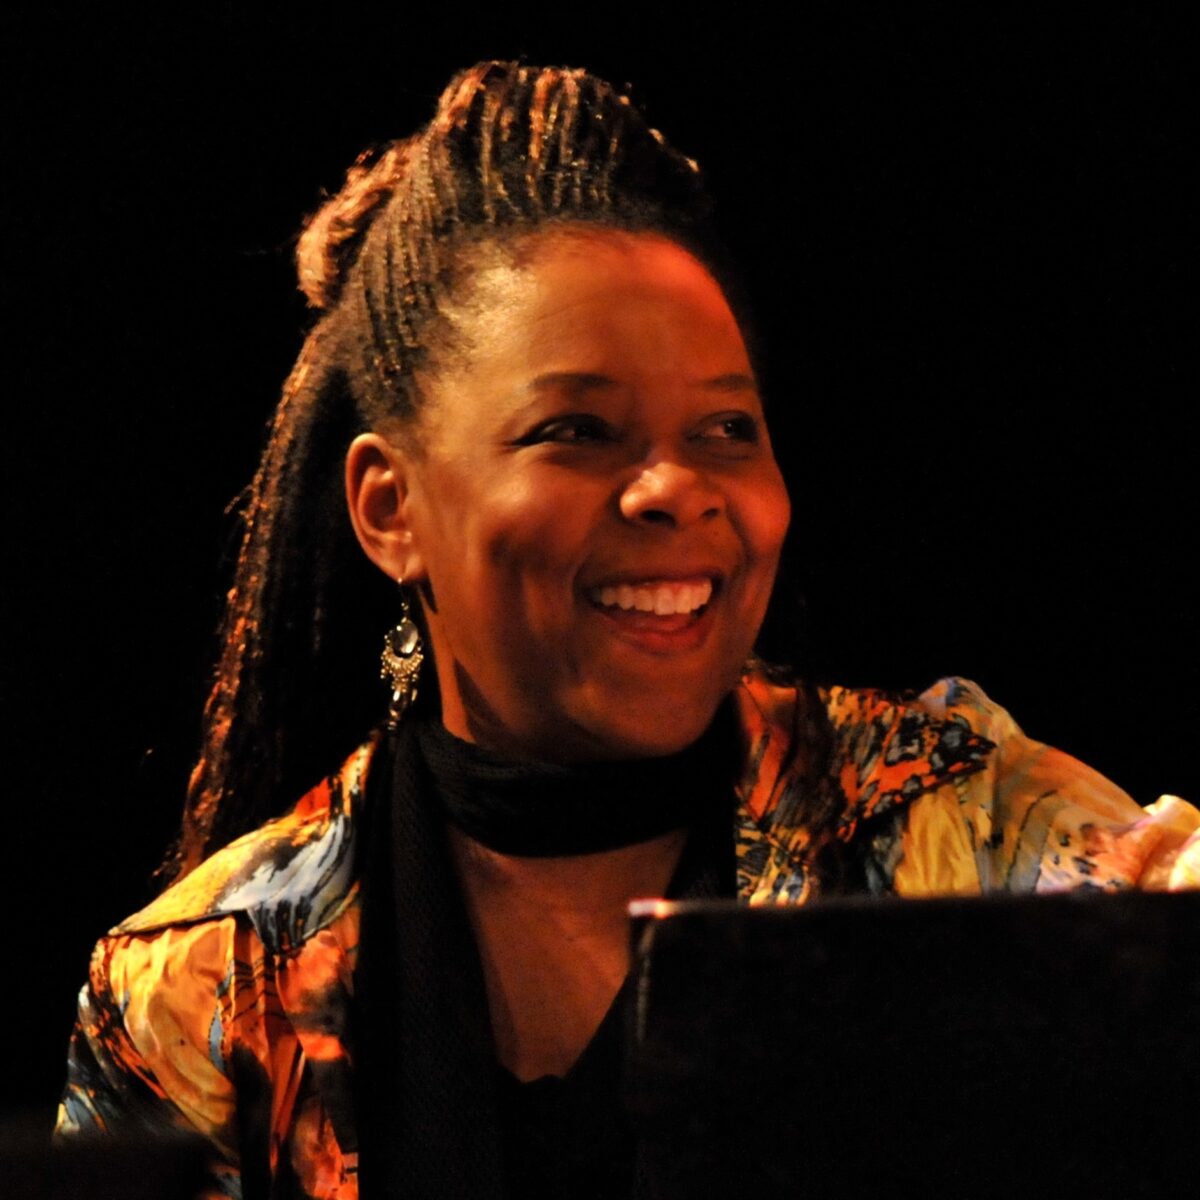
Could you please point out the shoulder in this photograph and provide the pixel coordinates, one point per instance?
(289, 878)
(773, 697)
(961, 702)
(893, 746)
(882, 748)
(223, 975)
(1042, 820)
(824, 765)
(943, 791)
(1001, 810)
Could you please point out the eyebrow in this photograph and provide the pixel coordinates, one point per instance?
(734, 382)
(574, 382)
(579, 382)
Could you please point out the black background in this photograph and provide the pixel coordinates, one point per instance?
(964, 234)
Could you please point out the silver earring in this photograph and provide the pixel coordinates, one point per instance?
(402, 657)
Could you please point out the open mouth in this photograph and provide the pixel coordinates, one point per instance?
(655, 597)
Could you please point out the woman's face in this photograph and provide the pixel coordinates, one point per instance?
(596, 510)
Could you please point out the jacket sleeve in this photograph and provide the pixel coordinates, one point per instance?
(1038, 820)
(144, 1057)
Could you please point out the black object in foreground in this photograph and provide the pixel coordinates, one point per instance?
(90, 1167)
(1012, 1046)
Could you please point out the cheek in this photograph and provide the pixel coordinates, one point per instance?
(766, 513)
(520, 548)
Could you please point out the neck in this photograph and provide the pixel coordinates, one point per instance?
(548, 858)
(553, 939)
(600, 882)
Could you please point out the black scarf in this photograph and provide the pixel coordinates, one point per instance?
(542, 810)
(425, 1064)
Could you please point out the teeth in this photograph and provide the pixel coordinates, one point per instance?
(662, 599)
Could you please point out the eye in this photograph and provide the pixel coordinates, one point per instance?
(731, 427)
(572, 429)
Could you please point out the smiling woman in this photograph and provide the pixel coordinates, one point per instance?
(594, 513)
(525, 440)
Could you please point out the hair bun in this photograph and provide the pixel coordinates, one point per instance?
(332, 235)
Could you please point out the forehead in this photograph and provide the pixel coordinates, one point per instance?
(600, 300)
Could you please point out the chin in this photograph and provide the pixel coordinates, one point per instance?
(654, 730)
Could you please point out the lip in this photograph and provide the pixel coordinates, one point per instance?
(672, 634)
(633, 577)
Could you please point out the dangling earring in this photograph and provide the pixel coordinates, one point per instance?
(402, 657)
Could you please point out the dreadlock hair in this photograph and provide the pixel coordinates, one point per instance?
(512, 150)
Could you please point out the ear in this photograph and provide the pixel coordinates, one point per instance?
(377, 494)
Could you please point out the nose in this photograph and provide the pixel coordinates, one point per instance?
(670, 494)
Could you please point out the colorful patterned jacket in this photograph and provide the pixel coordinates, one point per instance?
(224, 1005)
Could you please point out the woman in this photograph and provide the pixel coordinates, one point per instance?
(530, 404)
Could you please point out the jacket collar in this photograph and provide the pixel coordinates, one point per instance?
(291, 877)
(886, 751)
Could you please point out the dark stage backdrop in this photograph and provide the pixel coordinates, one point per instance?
(964, 236)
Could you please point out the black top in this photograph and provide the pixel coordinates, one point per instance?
(435, 1114)
(571, 1137)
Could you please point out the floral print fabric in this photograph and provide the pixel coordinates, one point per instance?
(224, 1006)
